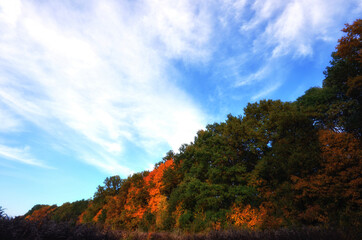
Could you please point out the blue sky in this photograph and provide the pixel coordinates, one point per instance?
(90, 89)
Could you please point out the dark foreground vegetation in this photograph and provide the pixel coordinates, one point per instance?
(270, 172)
(21, 229)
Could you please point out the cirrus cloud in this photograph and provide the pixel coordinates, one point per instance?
(101, 74)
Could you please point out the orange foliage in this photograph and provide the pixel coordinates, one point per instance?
(153, 184)
(350, 46)
(337, 184)
(133, 210)
(216, 226)
(128, 208)
(177, 213)
(154, 181)
(95, 219)
(41, 214)
(80, 218)
(254, 218)
(247, 216)
(350, 49)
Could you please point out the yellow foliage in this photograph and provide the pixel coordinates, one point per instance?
(177, 213)
(162, 211)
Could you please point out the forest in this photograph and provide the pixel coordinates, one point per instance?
(281, 170)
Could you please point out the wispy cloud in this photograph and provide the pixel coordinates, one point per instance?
(20, 155)
(269, 88)
(100, 71)
(253, 78)
(9, 123)
(293, 27)
(272, 30)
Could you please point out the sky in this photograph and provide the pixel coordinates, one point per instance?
(91, 89)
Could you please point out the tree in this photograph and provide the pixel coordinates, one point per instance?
(319, 104)
(344, 76)
(41, 213)
(286, 144)
(111, 187)
(283, 138)
(349, 47)
(2, 213)
(70, 212)
(332, 195)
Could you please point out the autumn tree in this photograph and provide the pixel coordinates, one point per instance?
(69, 212)
(110, 188)
(95, 209)
(114, 207)
(214, 175)
(41, 213)
(337, 105)
(349, 48)
(332, 195)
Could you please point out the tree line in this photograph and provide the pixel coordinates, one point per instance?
(280, 164)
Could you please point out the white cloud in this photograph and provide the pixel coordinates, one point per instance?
(293, 27)
(272, 31)
(9, 123)
(20, 155)
(182, 28)
(232, 10)
(101, 74)
(271, 87)
(10, 11)
(264, 10)
(253, 78)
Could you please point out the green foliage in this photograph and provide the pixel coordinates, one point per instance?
(332, 107)
(342, 87)
(170, 180)
(148, 222)
(102, 218)
(186, 220)
(111, 188)
(70, 212)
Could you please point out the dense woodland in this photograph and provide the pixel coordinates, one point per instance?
(279, 165)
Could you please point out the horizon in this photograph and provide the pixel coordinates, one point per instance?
(93, 89)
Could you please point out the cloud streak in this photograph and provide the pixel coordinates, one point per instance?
(103, 79)
(21, 155)
(271, 31)
(293, 27)
(9, 123)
